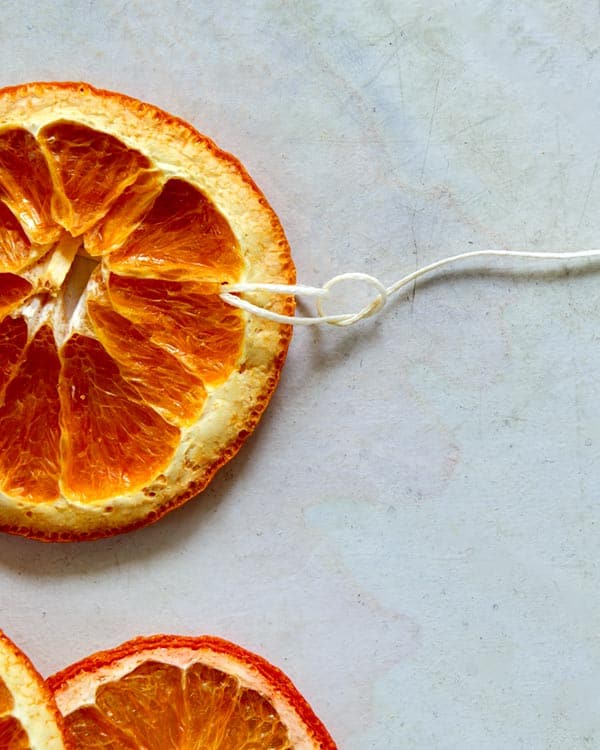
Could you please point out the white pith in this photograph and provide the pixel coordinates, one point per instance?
(61, 280)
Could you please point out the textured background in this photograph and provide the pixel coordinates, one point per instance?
(412, 533)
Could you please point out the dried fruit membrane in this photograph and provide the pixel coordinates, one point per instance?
(184, 693)
(125, 380)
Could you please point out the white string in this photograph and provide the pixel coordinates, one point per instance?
(382, 293)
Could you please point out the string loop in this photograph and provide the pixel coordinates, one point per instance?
(382, 293)
(373, 307)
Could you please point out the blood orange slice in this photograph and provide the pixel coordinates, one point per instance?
(178, 693)
(125, 380)
(29, 719)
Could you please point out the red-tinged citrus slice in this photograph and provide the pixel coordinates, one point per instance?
(126, 379)
(29, 719)
(182, 693)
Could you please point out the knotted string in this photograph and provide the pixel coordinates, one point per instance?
(382, 293)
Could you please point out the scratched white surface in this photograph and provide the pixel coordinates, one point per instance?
(413, 531)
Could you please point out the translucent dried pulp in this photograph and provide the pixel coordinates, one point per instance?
(184, 693)
(125, 380)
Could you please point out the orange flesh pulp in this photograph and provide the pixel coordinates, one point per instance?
(13, 338)
(96, 411)
(163, 707)
(12, 734)
(29, 458)
(182, 237)
(6, 700)
(26, 186)
(172, 390)
(89, 171)
(201, 329)
(16, 251)
(13, 291)
(111, 440)
(125, 214)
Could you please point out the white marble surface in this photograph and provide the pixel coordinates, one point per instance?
(413, 531)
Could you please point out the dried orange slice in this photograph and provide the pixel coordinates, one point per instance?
(29, 719)
(178, 693)
(125, 379)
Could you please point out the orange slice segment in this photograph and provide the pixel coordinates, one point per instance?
(125, 214)
(111, 440)
(119, 225)
(13, 291)
(25, 185)
(29, 719)
(29, 431)
(90, 170)
(158, 376)
(176, 693)
(200, 329)
(12, 734)
(16, 251)
(182, 237)
(13, 340)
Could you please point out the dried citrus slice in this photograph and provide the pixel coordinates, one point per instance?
(125, 379)
(182, 693)
(29, 719)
